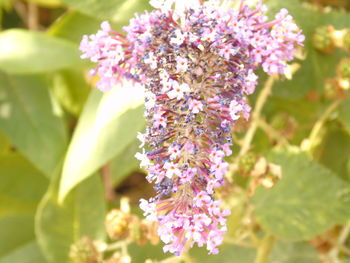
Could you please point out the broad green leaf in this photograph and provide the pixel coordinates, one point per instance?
(334, 150)
(34, 52)
(306, 201)
(344, 113)
(58, 226)
(73, 25)
(71, 89)
(16, 230)
(30, 121)
(125, 162)
(228, 254)
(28, 253)
(21, 189)
(108, 124)
(22, 186)
(118, 11)
(290, 252)
(4, 143)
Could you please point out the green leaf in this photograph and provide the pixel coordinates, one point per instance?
(22, 186)
(58, 226)
(108, 124)
(334, 150)
(4, 143)
(118, 11)
(306, 201)
(30, 121)
(344, 113)
(125, 162)
(28, 253)
(70, 89)
(288, 252)
(73, 25)
(21, 189)
(227, 255)
(34, 52)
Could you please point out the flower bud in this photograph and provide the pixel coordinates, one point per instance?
(323, 40)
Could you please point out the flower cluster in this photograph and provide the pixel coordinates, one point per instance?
(197, 65)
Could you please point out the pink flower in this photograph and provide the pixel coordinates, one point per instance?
(201, 199)
(171, 170)
(195, 105)
(182, 64)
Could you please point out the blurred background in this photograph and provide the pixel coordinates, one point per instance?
(69, 182)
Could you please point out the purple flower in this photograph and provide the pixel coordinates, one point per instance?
(197, 64)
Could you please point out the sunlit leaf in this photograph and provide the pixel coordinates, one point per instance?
(73, 25)
(29, 120)
(34, 52)
(108, 124)
(344, 113)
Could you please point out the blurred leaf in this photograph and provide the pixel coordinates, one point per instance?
(34, 52)
(228, 254)
(70, 89)
(28, 253)
(58, 226)
(118, 11)
(125, 162)
(108, 124)
(288, 252)
(73, 25)
(334, 151)
(317, 66)
(344, 113)
(22, 186)
(21, 189)
(306, 201)
(29, 121)
(4, 143)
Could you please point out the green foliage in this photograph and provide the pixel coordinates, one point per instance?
(58, 135)
(59, 225)
(32, 52)
(30, 120)
(118, 11)
(295, 211)
(108, 124)
(288, 252)
(21, 189)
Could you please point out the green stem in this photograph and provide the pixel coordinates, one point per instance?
(262, 98)
(312, 141)
(264, 249)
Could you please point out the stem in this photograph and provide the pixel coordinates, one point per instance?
(107, 182)
(315, 132)
(118, 245)
(264, 249)
(272, 132)
(262, 98)
(33, 16)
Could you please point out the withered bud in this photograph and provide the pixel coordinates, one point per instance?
(117, 224)
(323, 39)
(84, 251)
